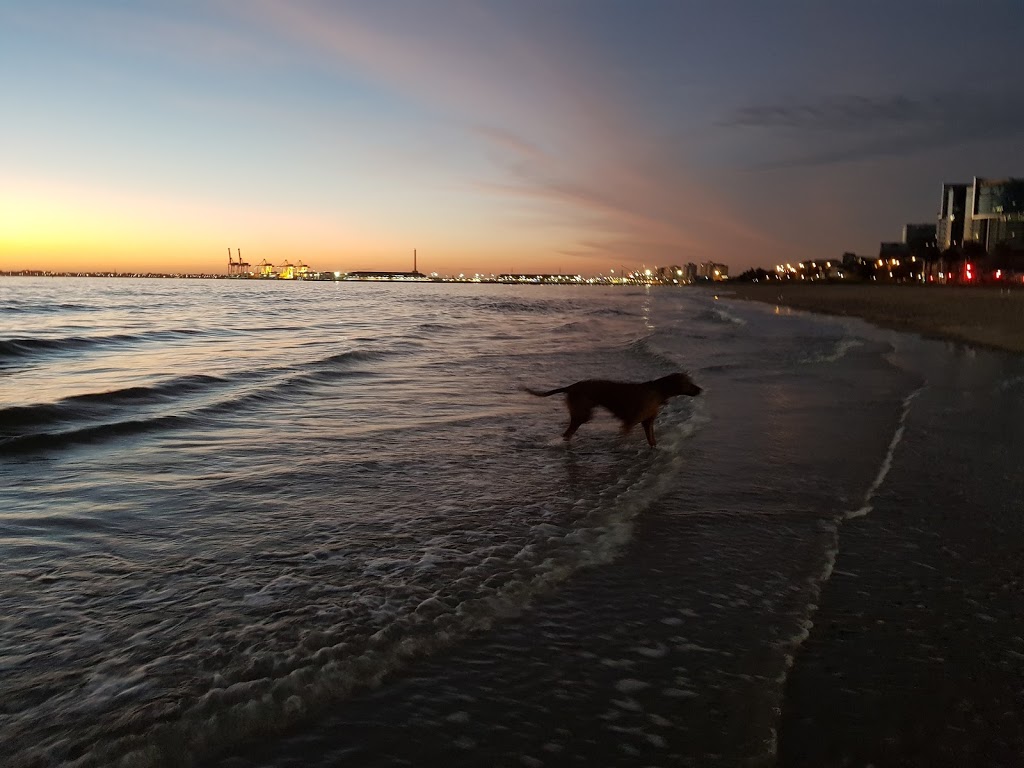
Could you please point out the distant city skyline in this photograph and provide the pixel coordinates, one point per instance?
(491, 136)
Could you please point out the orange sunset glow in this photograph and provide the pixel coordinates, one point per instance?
(490, 138)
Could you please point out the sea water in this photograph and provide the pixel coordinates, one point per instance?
(294, 523)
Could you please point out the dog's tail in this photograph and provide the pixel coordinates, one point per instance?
(549, 393)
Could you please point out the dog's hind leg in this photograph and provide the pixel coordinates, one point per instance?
(649, 430)
(577, 418)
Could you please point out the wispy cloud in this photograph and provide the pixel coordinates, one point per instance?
(556, 137)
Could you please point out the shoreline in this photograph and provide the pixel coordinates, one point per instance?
(986, 317)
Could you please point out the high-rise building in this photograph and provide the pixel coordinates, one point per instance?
(920, 240)
(713, 271)
(995, 212)
(672, 274)
(919, 234)
(952, 214)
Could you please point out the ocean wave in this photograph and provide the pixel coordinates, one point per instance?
(93, 405)
(24, 347)
(611, 312)
(836, 351)
(95, 416)
(34, 308)
(31, 346)
(503, 307)
(328, 368)
(180, 385)
(646, 347)
(434, 327)
(538, 306)
(48, 441)
(720, 316)
(344, 359)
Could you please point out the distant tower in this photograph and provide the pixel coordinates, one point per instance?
(413, 259)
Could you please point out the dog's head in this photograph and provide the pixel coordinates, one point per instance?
(678, 384)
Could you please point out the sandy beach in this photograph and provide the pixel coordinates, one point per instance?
(989, 316)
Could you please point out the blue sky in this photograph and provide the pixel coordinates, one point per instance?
(491, 136)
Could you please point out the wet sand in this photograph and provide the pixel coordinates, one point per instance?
(989, 317)
(916, 654)
(914, 657)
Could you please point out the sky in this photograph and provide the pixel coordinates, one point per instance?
(577, 136)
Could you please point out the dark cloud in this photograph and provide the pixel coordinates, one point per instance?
(851, 128)
(845, 114)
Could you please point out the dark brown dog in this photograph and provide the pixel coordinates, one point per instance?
(630, 402)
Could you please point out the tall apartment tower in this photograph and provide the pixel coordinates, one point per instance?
(995, 211)
(949, 231)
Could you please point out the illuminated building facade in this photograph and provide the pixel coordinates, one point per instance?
(995, 212)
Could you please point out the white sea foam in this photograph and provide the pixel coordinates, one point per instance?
(656, 652)
(838, 351)
(630, 685)
(883, 471)
(679, 693)
(285, 687)
(1011, 382)
(727, 317)
(792, 644)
